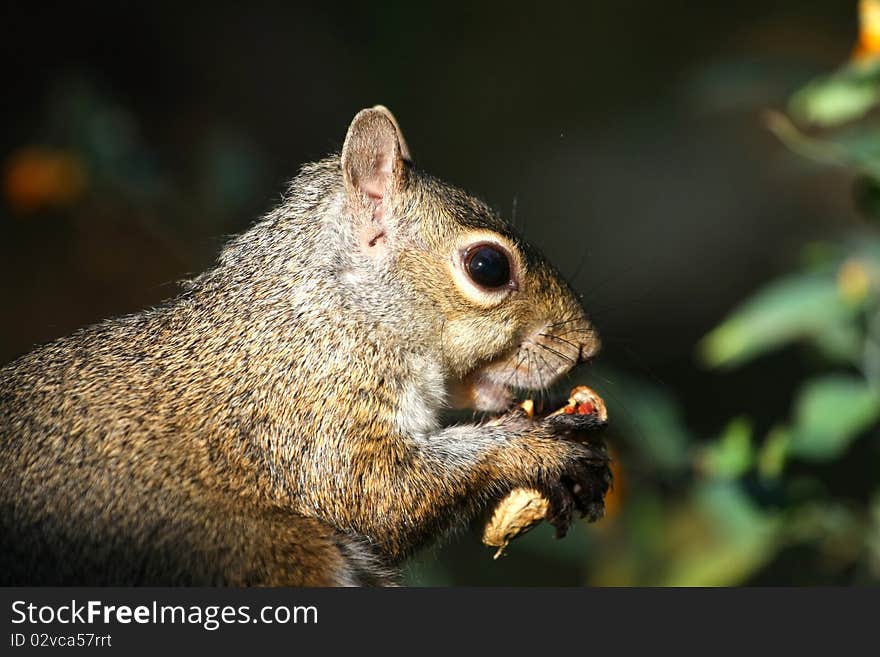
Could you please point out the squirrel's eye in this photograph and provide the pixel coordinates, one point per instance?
(488, 266)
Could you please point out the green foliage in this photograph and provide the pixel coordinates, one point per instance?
(830, 413)
(732, 455)
(710, 525)
(771, 457)
(831, 104)
(794, 308)
(831, 306)
(715, 536)
(843, 96)
(737, 538)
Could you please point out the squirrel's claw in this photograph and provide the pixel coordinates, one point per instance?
(560, 509)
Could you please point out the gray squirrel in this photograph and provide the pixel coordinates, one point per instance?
(277, 423)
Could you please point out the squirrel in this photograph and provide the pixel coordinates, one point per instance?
(279, 421)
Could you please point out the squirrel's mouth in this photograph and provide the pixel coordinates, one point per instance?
(479, 392)
(537, 363)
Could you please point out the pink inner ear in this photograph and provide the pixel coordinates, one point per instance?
(374, 191)
(375, 185)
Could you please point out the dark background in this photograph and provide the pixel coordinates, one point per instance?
(627, 136)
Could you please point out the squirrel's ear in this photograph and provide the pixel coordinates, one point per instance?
(374, 154)
(401, 142)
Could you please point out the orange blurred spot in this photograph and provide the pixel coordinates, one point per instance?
(614, 498)
(37, 178)
(868, 46)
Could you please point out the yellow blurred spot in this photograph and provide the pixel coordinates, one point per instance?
(853, 281)
(869, 30)
(38, 178)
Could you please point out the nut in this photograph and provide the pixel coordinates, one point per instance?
(583, 401)
(517, 513)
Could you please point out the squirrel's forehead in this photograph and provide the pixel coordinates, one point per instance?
(468, 214)
(456, 204)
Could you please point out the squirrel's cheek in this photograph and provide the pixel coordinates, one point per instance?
(462, 350)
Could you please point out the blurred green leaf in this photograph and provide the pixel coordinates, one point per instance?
(771, 457)
(843, 96)
(792, 308)
(857, 148)
(738, 538)
(715, 537)
(731, 456)
(830, 412)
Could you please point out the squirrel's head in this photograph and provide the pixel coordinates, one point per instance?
(499, 316)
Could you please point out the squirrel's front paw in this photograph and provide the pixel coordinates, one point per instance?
(572, 470)
(581, 487)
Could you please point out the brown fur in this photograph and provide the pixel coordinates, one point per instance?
(277, 423)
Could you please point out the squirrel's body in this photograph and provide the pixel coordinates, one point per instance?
(278, 422)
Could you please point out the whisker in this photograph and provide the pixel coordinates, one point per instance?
(515, 370)
(540, 386)
(549, 369)
(556, 337)
(528, 365)
(559, 354)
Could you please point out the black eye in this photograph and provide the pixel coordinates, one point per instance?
(488, 266)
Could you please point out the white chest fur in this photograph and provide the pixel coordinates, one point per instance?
(422, 397)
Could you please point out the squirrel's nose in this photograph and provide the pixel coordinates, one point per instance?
(583, 355)
(588, 348)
